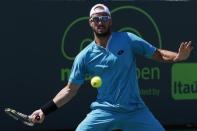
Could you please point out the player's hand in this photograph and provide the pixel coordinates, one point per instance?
(184, 51)
(37, 114)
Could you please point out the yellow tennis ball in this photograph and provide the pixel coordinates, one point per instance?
(96, 81)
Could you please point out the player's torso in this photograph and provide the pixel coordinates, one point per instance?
(116, 56)
(115, 64)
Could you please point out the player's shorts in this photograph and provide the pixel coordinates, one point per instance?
(102, 120)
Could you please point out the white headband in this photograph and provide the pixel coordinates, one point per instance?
(103, 9)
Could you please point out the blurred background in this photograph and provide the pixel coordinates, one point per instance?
(40, 39)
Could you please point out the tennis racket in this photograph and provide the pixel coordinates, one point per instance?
(25, 119)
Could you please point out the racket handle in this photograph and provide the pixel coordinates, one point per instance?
(37, 117)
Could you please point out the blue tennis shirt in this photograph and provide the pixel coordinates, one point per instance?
(116, 65)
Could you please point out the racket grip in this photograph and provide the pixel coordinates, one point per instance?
(37, 117)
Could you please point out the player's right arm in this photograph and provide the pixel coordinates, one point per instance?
(77, 77)
(64, 96)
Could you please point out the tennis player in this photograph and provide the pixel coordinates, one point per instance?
(112, 56)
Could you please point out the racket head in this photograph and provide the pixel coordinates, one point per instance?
(25, 119)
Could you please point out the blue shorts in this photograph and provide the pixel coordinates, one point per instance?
(102, 120)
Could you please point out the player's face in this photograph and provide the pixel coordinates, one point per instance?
(101, 24)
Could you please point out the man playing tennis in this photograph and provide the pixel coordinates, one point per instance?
(112, 56)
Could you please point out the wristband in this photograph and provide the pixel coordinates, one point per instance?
(49, 108)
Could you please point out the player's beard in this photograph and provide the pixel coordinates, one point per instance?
(103, 34)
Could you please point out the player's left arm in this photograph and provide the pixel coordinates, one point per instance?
(170, 56)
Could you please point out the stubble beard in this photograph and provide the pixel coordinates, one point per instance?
(104, 34)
